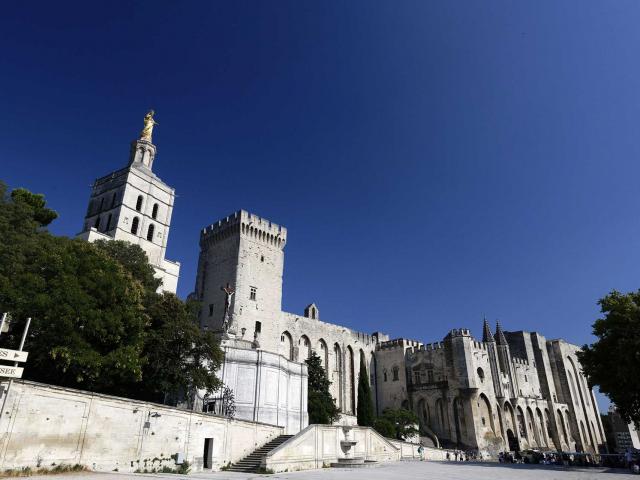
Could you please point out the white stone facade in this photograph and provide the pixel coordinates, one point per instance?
(134, 205)
(267, 388)
(513, 391)
(247, 252)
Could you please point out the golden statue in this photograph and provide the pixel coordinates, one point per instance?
(149, 122)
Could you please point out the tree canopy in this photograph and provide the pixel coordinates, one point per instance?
(365, 412)
(320, 404)
(397, 423)
(613, 361)
(97, 321)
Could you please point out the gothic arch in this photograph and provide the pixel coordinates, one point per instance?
(442, 419)
(134, 225)
(486, 416)
(459, 419)
(373, 373)
(337, 381)
(582, 402)
(522, 427)
(351, 393)
(304, 346)
(139, 203)
(286, 345)
(324, 355)
(563, 428)
(533, 431)
(540, 428)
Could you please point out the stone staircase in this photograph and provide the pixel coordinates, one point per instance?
(251, 463)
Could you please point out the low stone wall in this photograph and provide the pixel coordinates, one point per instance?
(409, 451)
(42, 425)
(319, 445)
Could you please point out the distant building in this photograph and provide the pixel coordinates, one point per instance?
(621, 435)
(133, 204)
(511, 391)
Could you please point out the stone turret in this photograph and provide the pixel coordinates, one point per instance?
(487, 336)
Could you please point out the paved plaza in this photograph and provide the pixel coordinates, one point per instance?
(394, 471)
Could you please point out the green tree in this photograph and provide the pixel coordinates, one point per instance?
(97, 321)
(179, 356)
(613, 361)
(87, 314)
(397, 423)
(320, 405)
(133, 259)
(366, 415)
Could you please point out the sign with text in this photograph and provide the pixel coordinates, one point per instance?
(11, 372)
(13, 355)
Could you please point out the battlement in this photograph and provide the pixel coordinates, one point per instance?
(479, 345)
(248, 224)
(431, 346)
(460, 332)
(399, 343)
(520, 361)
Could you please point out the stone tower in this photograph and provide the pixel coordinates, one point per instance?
(133, 204)
(246, 252)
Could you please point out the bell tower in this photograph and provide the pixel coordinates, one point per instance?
(135, 205)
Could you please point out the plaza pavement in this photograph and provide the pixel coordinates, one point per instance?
(392, 471)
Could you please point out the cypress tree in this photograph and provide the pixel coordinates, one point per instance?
(366, 415)
(320, 405)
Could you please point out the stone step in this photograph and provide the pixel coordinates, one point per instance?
(251, 463)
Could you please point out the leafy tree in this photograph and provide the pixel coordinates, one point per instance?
(384, 427)
(365, 412)
(321, 406)
(397, 423)
(97, 322)
(88, 317)
(179, 356)
(613, 361)
(133, 259)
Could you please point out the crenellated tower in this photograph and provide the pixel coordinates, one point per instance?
(246, 252)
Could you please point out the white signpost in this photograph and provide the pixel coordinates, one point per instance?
(13, 355)
(11, 372)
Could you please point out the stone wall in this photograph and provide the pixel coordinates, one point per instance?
(318, 446)
(267, 387)
(45, 425)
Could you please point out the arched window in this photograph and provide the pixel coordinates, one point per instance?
(134, 225)
(396, 372)
(305, 347)
(150, 232)
(286, 345)
(139, 203)
(101, 203)
(113, 200)
(154, 212)
(97, 223)
(106, 229)
(481, 374)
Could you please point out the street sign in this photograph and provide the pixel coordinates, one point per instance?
(13, 355)
(11, 372)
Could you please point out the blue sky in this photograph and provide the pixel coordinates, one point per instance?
(434, 161)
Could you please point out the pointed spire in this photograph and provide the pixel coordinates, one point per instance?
(487, 336)
(500, 338)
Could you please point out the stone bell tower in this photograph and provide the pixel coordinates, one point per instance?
(135, 205)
